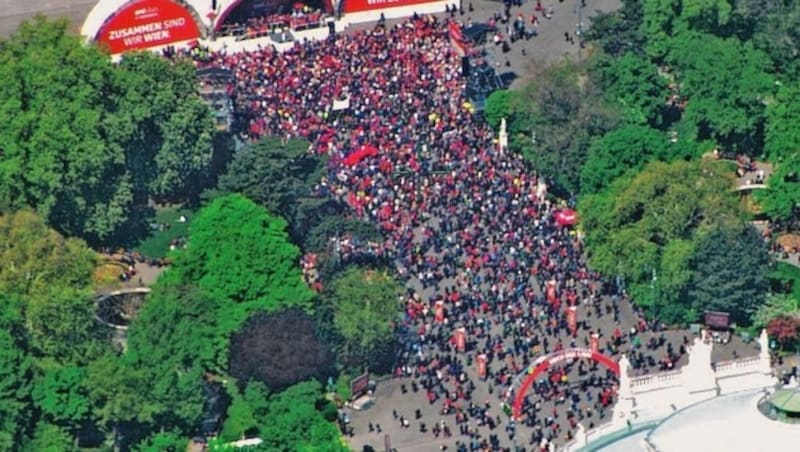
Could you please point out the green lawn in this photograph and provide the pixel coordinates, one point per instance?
(157, 244)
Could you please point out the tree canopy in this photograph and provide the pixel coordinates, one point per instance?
(644, 227)
(240, 254)
(86, 143)
(279, 350)
(365, 305)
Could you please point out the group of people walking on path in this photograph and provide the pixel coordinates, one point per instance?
(470, 227)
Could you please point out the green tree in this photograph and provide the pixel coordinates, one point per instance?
(172, 343)
(49, 438)
(15, 378)
(618, 32)
(279, 175)
(729, 273)
(627, 148)
(55, 98)
(86, 143)
(498, 106)
(166, 132)
(163, 442)
(634, 83)
(240, 254)
(727, 83)
(48, 277)
(776, 305)
(781, 201)
(555, 120)
(648, 223)
(62, 397)
(365, 306)
(239, 418)
(295, 423)
(782, 138)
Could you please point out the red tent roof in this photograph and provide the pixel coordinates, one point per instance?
(566, 217)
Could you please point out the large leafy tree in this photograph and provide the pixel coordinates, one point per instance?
(62, 397)
(554, 122)
(165, 128)
(279, 350)
(627, 148)
(56, 158)
(85, 143)
(239, 254)
(173, 342)
(47, 278)
(729, 273)
(294, 422)
(646, 225)
(618, 32)
(49, 438)
(634, 83)
(279, 175)
(15, 378)
(727, 83)
(365, 305)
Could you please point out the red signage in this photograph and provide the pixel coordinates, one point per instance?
(354, 6)
(439, 311)
(142, 24)
(460, 337)
(481, 363)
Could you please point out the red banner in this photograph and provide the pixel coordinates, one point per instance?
(439, 311)
(142, 24)
(480, 361)
(594, 342)
(354, 6)
(572, 318)
(460, 337)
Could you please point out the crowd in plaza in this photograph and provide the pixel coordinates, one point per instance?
(470, 228)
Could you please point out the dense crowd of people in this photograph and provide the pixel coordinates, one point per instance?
(470, 228)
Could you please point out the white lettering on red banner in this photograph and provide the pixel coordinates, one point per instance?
(147, 23)
(352, 6)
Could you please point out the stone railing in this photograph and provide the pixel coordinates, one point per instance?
(737, 367)
(653, 382)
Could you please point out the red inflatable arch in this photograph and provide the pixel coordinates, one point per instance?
(544, 362)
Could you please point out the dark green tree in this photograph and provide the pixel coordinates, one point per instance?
(555, 120)
(618, 32)
(239, 419)
(163, 442)
(498, 106)
(634, 83)
(280, 176)
(729, 273)
(624, 149)
(15, 379)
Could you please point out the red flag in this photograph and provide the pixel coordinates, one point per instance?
(457, 39)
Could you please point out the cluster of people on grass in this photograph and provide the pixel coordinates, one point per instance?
(469, 226)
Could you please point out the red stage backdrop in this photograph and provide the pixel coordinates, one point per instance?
(354, 6)
(142, 24)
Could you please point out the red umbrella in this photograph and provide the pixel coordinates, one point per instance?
(566, 217)
(299, 5)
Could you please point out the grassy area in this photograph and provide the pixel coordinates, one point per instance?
(157, 244)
